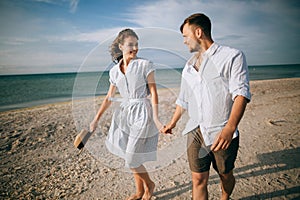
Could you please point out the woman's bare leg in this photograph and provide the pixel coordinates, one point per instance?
(139, 185)
(148, 184)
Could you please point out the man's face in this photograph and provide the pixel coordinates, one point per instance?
(189, 38)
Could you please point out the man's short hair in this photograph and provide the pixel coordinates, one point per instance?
(199, 20)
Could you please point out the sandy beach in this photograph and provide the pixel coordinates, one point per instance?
(39, 161)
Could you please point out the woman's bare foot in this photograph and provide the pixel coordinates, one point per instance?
(148, 191)
(135, 197)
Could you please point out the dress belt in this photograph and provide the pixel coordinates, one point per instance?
(130, 100)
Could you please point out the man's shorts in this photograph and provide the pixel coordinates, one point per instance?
(200, 157)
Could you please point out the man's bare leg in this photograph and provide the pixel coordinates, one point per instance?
(200, 185)
(227, 184)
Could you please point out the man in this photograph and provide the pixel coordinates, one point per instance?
(214, 91)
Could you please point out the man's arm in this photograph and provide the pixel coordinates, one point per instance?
(223, 140)
(176, 116)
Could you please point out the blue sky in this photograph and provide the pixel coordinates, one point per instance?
(42, 36)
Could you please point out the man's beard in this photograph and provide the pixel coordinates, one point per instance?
(196, 47)
(193, 50)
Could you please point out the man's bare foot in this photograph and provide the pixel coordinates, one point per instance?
(135, 197)
(148, 191)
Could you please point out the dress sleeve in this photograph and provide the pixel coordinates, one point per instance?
(149, 68)
(112, 76)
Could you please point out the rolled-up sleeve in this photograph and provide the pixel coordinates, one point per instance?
(239, 77)
(182, 100)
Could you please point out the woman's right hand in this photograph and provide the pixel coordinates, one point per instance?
(93, 125)
(159, 125)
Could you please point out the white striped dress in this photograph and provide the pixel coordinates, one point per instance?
(133, 134)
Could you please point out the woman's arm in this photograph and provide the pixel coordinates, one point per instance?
(105, 104)
(154, 99)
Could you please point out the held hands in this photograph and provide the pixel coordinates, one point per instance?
(167, 129)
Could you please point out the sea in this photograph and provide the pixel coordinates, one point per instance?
(22, 91)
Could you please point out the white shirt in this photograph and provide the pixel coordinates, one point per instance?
(208, 94)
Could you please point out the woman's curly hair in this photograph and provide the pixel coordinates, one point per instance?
(115, 51)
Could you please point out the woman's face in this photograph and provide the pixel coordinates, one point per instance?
(129, 47)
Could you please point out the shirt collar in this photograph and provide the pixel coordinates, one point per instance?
(211, 50)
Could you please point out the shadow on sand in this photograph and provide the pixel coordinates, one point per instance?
(273, 162)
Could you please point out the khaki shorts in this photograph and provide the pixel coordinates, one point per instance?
(200, 157)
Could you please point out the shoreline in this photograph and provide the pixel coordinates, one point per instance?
(51, 103)
(38, 159)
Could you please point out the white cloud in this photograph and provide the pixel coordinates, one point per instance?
(153, 42)
(170, 13)
(73, 5)
(252, 26)
(16, 41)
(262, 29)
(93, 37)
(167, 14)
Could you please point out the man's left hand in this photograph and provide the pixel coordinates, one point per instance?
(223, 139)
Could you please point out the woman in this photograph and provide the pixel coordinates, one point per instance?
(133, 134)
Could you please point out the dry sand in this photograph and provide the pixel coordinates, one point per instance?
(39, 161)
